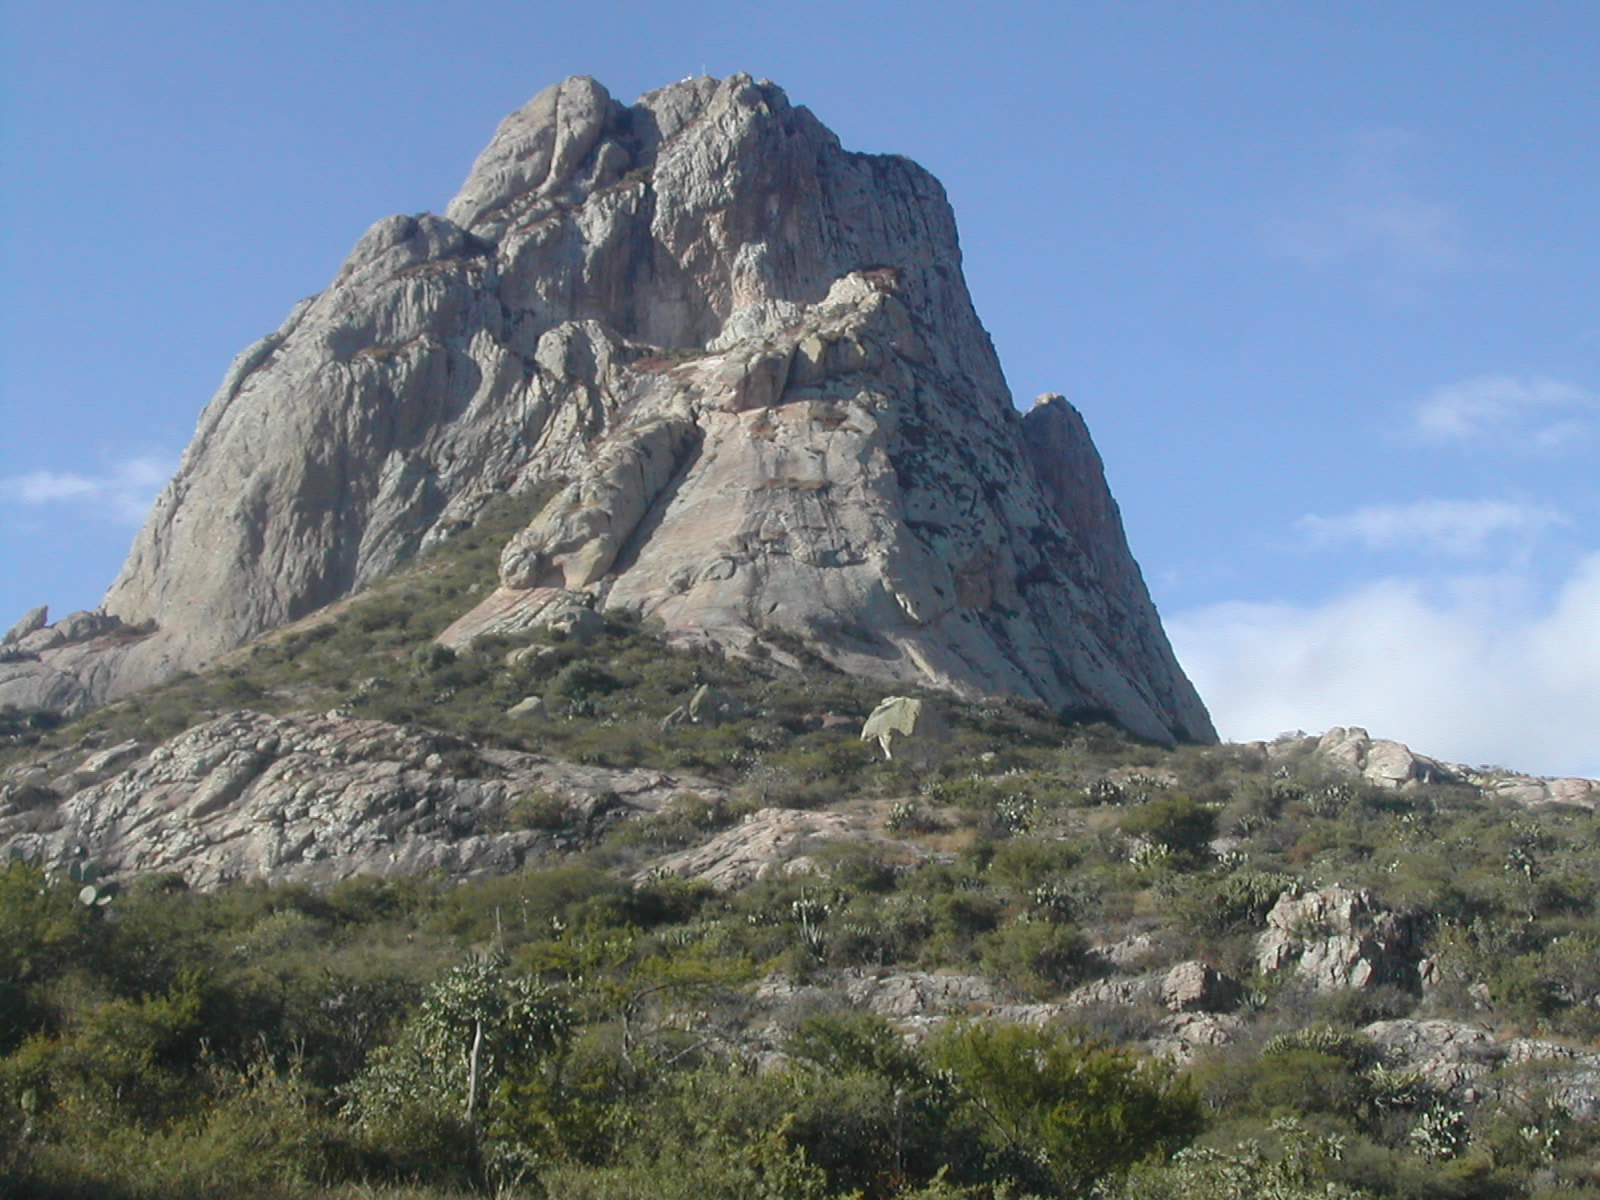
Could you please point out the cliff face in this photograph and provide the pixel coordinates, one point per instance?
(750, 357)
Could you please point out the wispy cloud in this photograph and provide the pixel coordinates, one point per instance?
(1373, 214)
(1470, 672)
(121, 492)
(1533, 413)
(1452, 527)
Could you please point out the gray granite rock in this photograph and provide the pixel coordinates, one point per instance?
(751, 358)
(1196, 987)
(312, 797)
(1336, 938)
(33, 619)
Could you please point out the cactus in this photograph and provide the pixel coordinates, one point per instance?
(83, 872)
(93, 896)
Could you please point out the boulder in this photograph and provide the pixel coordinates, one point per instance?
(1196, 987)
(1184, 1037)
(33, 619)
(908, 727)
(1379, 761)
(1337, 938)
(1537, 792)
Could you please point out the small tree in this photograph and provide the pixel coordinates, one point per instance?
(477, 1026)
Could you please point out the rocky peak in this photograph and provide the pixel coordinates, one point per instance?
(749, 359)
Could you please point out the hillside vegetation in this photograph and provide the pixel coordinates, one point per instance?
(604, 1024)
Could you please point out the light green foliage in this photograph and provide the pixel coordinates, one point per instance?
(763, 1168)
(455, 1066)
(475, 1024)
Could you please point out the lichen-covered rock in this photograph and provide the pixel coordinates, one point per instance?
(509, 613)
(1465, 1061)
(749, 358)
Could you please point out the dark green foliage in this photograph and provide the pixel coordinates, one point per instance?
(1037, 958)
(1231, 901)
(1174, 822)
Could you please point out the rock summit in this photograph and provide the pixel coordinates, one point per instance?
(745, 360)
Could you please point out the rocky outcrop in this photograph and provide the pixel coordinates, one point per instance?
(1337, 938)
(67, 666)
(1391, 764)
(749, 358)
(1377, 760)
(316, 798)
(1532, 791)
(774, 839)
(31, 621)
(1469, 1063)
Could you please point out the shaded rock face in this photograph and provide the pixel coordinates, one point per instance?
(314, 798)
(751, 357)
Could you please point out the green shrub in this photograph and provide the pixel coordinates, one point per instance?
(1174, 822)
(1061, 1113)
(1037, 958)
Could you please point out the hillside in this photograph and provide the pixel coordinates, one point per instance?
(617, 702)
(1221, 938)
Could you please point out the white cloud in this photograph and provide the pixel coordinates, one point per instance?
(1371, 214)
(1457, 527)
(122, 493)
(1534, 413)
(1470, 672)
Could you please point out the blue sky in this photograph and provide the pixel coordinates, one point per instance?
(1321, 277)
